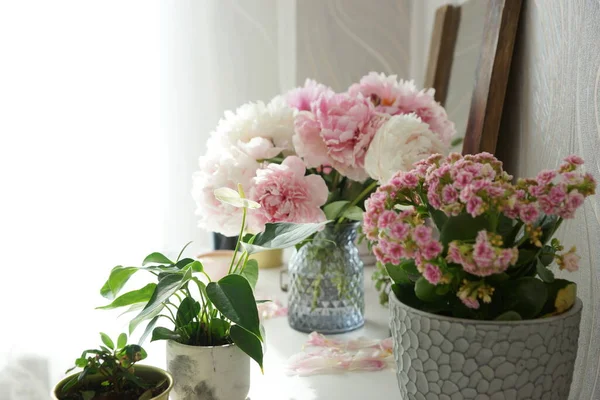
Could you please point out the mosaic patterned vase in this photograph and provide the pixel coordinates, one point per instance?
(326, 290)
(444, 358)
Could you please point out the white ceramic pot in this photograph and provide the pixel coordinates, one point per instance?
(444, 358)
(147, 372)
(208, 372)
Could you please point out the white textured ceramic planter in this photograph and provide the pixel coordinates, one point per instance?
(208, 373)
(443, 358)
(147, 372)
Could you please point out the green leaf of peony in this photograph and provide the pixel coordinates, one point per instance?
(107, 341)
(425, 290)
(250, 272)
(333, 210)
(248, 343)
(232, 296)
(456, 142)
(117, 279)
(160, 333)
(281, 236)
(509, 316)
(354, 213)
(135, 296)
(544, 273)
(157, 258)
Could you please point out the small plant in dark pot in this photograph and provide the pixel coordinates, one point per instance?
(111, 373)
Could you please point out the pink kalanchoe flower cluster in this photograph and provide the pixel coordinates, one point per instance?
(475, 183)
(486, 257)
(557, 192)
(392, 96)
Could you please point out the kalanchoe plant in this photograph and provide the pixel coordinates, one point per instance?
(115, 366)
(490, 255)
(200, 311)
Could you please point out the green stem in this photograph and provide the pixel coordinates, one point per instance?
(237, 244)
(358, 198)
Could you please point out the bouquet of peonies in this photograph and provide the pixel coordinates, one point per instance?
(458, 238)
(313, 155)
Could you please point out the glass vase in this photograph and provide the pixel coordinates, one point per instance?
(326, 284)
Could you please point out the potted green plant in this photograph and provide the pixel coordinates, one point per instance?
(476, 311)
(111, 372)
(213, 326)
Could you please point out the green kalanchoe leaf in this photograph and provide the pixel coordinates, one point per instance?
(544, 273)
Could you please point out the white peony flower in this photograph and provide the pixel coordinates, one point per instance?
(221, 167)
(260, 130)
(398, 144)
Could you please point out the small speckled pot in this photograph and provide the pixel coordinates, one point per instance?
(443, 358)
(208, 372)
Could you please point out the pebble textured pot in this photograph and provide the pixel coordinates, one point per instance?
(208, 373)
(443, 358)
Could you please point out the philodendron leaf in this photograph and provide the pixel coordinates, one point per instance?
(157, 258)
(248, 343)
(333, 210)
(526, 296)
(188, 310)
(425, 290)
(148, 330)
(122, 341)
(117, 279)
(167, 286)
(232, 296)
(135, 296)
(354, 213)
(509, 316)
(544, 273)
(160, 333)
(281, 236)
(250, 272)
(107, 341)
(219, 328)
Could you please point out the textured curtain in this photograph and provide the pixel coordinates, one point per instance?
(105, 108)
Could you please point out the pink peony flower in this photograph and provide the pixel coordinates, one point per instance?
(432, 273)
(347, 131)
(287, 195)
(302, 98)
(308, 141)
(392, 96)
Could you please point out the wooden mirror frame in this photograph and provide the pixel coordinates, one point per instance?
(502, 20)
